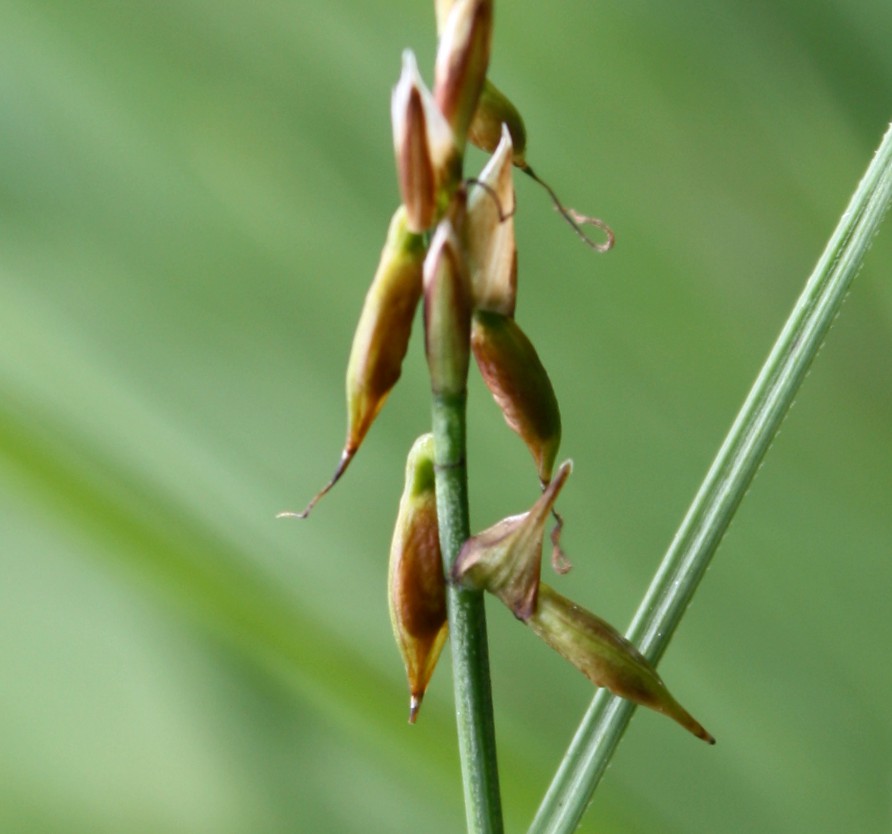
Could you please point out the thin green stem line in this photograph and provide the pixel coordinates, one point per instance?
(467, 626)
(722, 490)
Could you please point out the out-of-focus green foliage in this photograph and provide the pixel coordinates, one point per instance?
(193, 196)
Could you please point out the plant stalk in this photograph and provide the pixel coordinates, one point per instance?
(723, 488)
(467, 625)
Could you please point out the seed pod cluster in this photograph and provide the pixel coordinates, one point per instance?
(454, 244)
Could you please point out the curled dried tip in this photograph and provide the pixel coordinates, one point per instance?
(576, 219)
(559, 561)
(414, 706)
(584, 220)
(346, 457)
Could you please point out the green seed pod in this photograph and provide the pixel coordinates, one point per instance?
(506, 559)
(491, 245)
(385, 325)
(416, 585)
(519, 384)
(461, 64)
(605, 657)
(447, 311)
(495, 110)
(381, 339)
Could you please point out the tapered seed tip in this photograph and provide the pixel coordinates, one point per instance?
(696, 728)
(346, 457)
(677, 713)
(414, 706)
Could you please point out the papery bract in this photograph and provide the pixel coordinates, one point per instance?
(442, 9)
(491, 245)
(506, 559)
(427, 160)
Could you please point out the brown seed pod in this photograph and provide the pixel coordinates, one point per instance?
(519, 384)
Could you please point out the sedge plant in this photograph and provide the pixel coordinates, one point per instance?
(451, 249)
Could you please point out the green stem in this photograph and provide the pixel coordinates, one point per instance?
(725, 484)
(467, 625)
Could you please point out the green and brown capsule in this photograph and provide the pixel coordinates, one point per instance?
(462, 61)
(416, 586)
(605, 657)
(519, 384)
(427, 161)
(381, 339)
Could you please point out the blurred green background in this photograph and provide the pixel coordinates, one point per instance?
(193, 196)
